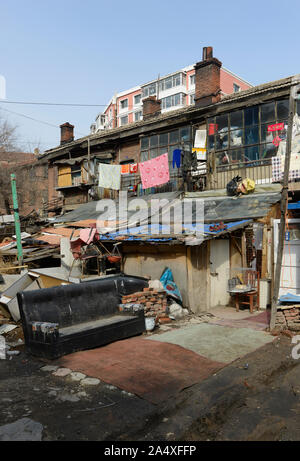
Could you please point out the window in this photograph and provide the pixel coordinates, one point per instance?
(155, 145)
(149, 90)
(248, 135)
(171, 82)
(76, 174)
(124, 120)
(172, 101)
(138, 116)
(192, 79)
(137, 99)
(124, 104)
(192, 98)
(236, 88)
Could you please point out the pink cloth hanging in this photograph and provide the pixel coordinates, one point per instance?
(87, 235)
(155, 172)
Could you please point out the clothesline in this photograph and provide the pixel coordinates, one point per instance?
(154, 172)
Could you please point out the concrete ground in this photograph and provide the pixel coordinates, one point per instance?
(235, 402)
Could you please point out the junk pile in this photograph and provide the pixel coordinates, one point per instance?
(288, 318)
(11, 336)
(161, 301)
(288, 313)
(35, 248)
(154, 303)
(238, 186)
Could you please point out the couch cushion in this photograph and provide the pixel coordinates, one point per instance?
(94, 324)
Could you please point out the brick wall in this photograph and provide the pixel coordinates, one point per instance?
(207, 82)
(129, 151)
(32, 186)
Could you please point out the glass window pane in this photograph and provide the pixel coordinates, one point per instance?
(268, 150)
(266, 136)
(251, 116)
(185, 133)
(176, 99)
(152, 89)
(267, 112)
(168, 102)
(144, 156)
(174, 136)
(210, 142)
(251, 135)
(176, 80)
(144, 143)
(298, 107)
(252, 153)
(222, 159)
(282, 109)
(162, 150)
(236, 156)
(222, 122)
(153, 153)
(236, 138)
(163, 139)
(222, 140)
(283, 133)
(236, 119)
(154, 141)
(168, 83)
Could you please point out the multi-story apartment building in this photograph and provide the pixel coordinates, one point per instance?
(175, 91)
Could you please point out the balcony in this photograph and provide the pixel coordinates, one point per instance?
(258, 170)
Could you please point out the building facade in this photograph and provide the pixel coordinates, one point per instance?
(176, 90)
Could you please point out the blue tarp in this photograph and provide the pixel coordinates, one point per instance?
(294, 206)
(169, 285)
(289, 298)
(156, 231)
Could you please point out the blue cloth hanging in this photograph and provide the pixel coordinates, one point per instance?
(177, 158)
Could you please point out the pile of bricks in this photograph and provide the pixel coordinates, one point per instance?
(153, 301)
(288, 318)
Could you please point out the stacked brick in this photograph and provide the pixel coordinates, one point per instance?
(288, 318)
(153, 301)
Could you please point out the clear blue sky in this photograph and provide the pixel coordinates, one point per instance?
(74, 51)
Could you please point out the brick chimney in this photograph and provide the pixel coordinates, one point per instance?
(207, 79)
(66, 133)
(151, 107)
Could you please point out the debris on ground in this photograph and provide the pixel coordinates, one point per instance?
(22, 430)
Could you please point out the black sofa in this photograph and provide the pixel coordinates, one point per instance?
(61, 320)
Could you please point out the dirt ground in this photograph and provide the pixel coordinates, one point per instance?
(254, 398)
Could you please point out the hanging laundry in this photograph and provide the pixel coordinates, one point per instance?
(133, 168)
(177, 158)
(125, 169)
(155, 172)
(87, 234)
(109, 176)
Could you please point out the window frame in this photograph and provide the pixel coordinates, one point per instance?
(254, 126)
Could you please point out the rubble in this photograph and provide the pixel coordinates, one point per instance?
(153, 301)
(288, 318)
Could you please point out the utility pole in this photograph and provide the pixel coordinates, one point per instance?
(17, 218)
(295, 88)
